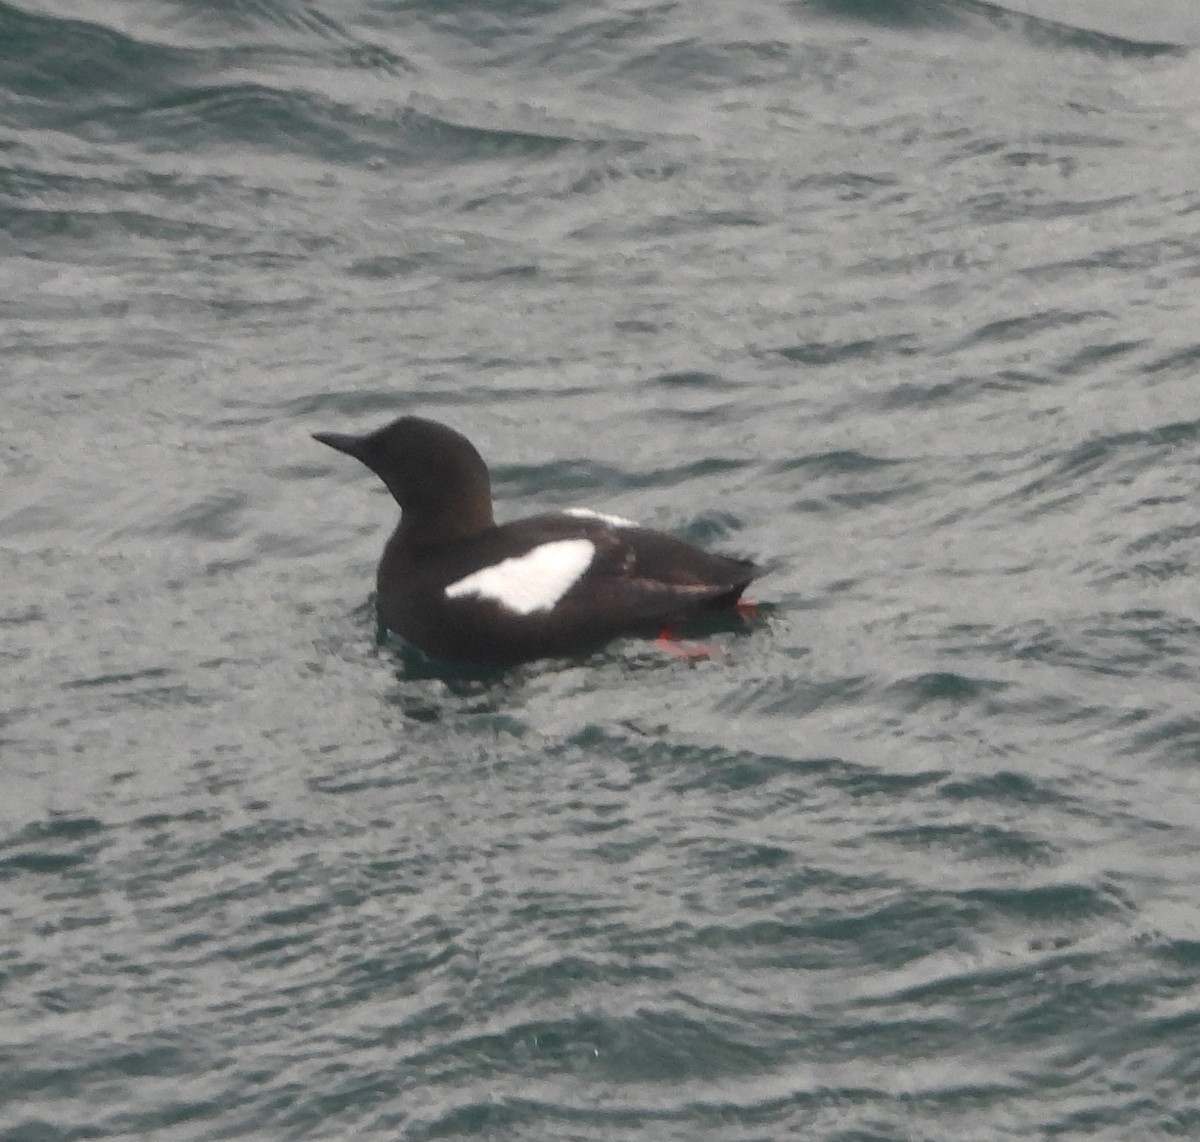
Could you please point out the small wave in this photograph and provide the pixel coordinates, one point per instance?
(53, 846)
(692, 63)
(840, 463)
(103, 84)
(43, 224)
(974, 841)
(1030, 324)
(645, 1046)
(264, 117)
(52, 62)
(1179, 361)
(1003, 787)
(979, 16)
(943, 687)
(562, 479)
(1108, 456)
(1092, 357)
(837, 352)
(846, 478)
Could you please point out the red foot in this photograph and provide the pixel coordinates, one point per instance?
(746, 608)
(667, 641)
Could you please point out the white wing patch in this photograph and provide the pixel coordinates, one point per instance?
(531, 582)
(611, 520)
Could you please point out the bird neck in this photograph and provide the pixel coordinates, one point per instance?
(422, 529)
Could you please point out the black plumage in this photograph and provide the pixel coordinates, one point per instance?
(633, 581)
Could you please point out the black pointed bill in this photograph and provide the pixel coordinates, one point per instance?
(343, 442)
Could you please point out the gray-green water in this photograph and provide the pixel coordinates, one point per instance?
(901, 296)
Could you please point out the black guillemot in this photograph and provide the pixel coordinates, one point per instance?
(459, 586)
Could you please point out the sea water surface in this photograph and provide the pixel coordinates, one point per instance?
(900, 297)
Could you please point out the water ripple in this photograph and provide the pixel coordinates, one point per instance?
(911, 856)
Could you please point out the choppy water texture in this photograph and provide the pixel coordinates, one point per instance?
(901, 296)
